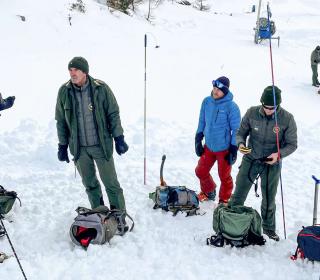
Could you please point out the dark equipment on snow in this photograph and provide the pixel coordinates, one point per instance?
(97, 226)
(308, 238)
(238, 226)
(174, 198)
(7, 199)
(265, 28)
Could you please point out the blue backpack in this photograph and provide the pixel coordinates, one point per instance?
(308, 244)
(175, 199)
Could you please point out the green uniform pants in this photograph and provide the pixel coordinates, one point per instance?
(270, 175)
(315, 80)
(86, 168)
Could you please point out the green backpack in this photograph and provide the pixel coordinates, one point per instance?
(237, 226)
(7, 199)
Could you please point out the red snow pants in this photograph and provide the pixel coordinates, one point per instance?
(203, 168)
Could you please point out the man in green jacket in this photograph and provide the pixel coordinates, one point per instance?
(88, 120)
(261, 155)
(315, 59)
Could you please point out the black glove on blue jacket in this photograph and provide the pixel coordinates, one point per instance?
(7, 103)
(63, 153)
(198, 144)
(121, 145)
(231, 157)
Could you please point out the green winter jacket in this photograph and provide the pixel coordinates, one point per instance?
(262, 136)
(315, 57)
(106, 114)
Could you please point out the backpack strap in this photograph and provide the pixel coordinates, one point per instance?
(120, 216)
(255, 180)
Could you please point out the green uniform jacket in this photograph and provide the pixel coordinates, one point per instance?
(315, 57)
(106, 114)
(262, 135)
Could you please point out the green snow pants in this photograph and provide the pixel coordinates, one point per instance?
(86, 168)
(269, 175)
(315, 80)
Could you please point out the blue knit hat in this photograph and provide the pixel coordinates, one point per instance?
(225, 84)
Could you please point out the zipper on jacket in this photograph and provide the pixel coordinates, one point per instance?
(216, 116)
(83, 117)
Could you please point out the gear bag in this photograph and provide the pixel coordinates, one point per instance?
(309, 237)
(7, 199)
(308, 244)
(97, 226)
(175, 199)
(237, 226)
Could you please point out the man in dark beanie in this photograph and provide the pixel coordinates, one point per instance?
(315, 60)
(87, 116)
(257, 140)
(218, 123)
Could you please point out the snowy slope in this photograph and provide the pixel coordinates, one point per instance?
(195, 47)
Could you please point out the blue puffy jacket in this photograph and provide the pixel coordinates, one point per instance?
(219, 121)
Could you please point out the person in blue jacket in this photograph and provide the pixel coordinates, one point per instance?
(218, 124)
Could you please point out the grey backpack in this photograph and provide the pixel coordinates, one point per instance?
(97, 226)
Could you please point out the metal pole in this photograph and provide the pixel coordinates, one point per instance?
(315, 205)
(256, 34)
(12, 248)
(145, 113)
(276, 124)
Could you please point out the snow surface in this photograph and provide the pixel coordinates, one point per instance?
(195, 47)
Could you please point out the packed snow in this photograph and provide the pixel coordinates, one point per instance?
(195, 48)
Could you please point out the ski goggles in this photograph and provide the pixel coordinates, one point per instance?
(218, 84)
(270, 107)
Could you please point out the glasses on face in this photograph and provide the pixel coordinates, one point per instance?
(269, 107)
(218, 84)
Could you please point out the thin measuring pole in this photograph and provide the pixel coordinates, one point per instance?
(145, 114)
(276, 120)
(315, 205)
(12, 248)
(256, 35)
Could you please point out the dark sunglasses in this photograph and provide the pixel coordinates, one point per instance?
(269, 107)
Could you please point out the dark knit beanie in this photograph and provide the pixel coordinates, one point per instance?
(225, 81)
(267, 96)
(80, 63)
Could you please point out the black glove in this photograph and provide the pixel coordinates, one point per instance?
(7, 103)
(231, 156)
(198, 144)
(121, 145)
(63, 153)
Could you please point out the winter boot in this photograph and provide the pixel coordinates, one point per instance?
(202, 196)
(225, 203)
(271, 234)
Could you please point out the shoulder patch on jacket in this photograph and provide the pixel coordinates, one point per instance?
(98, 82)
